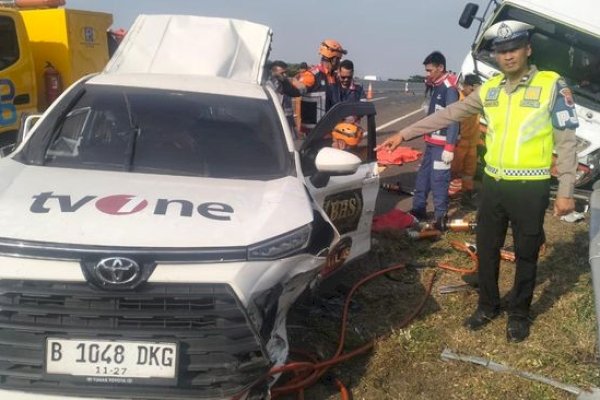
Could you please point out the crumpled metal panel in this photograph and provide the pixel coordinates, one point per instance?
(194, 45)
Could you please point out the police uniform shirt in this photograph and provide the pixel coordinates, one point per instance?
(564, 121)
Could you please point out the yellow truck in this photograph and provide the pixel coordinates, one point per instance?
(42, 51)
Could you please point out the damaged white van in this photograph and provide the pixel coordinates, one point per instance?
(566, 39)
(158, 222)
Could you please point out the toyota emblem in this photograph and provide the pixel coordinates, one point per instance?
(117, 271)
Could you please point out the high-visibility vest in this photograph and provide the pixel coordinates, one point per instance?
(519, 134)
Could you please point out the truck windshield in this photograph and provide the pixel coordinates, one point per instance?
(557, 47)
(9, 45)
(170, 132)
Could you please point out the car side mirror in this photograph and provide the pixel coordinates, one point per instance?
(468, 15)
(330, 162)
(336, 161)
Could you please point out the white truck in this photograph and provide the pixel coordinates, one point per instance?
(158, 222)
(566, 39)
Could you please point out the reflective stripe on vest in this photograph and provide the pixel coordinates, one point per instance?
(520, 173)
(519, 138)
(312, 109)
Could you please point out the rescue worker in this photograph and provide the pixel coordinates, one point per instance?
(349, 89)
(285, 88)
(321, 86)
(434, 172)
(528, 112)
(464, 164)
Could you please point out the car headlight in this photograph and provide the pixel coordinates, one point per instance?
(281, 246)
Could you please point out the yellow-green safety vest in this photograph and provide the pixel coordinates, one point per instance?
(519, 138)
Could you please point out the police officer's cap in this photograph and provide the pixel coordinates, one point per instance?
(508, 35)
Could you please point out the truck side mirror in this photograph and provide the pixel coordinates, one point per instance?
(468, 15)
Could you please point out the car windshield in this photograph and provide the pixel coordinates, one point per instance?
(560, 48)
(169, 132)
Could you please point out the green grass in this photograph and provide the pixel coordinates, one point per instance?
(406, 364)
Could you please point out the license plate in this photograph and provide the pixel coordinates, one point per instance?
(106, 361)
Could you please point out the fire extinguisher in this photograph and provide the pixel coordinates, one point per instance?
(52, 83)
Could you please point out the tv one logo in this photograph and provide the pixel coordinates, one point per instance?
(126, 204)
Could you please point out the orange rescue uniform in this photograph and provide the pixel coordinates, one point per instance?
(464, 164)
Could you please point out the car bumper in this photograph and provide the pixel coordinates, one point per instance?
(238, 316)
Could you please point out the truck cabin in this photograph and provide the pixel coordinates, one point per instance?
(571, 53)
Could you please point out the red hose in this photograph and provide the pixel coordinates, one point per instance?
(308, 373)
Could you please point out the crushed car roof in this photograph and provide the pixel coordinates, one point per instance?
(184, 83)
(194, 45)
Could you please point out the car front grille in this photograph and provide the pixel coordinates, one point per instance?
(219, 352)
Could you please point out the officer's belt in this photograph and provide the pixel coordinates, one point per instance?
(518, 172)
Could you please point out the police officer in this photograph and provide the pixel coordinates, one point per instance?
(529, 112)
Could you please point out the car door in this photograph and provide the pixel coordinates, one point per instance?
(348, 200)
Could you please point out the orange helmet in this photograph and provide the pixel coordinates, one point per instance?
(331, 48)
(350, 134)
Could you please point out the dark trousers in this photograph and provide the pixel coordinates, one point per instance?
(523, 204)
(434, 176)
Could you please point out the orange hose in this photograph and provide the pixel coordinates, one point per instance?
(505, 255)
(344, 392)
(312, 371)
(463, 271)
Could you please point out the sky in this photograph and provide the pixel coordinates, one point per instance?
(387, 38)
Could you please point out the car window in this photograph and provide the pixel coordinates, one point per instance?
(9, 45)
(169, 132)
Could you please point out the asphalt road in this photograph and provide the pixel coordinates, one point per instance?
(395, 110)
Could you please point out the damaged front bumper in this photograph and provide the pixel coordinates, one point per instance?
(228, 320)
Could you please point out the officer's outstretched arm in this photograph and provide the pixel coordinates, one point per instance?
(455, 112)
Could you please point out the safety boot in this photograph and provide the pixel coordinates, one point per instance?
(517, 328)
(441, 223)
(479, 319)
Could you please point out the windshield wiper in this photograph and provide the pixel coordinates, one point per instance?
(132, 146)
(135, 130)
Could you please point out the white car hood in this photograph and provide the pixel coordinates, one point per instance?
(88, 207)
(194, 45)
